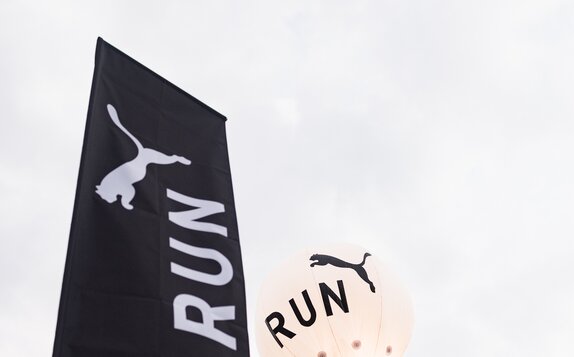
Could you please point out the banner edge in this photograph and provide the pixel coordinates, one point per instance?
(155, 74)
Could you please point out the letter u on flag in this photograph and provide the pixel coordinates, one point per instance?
(154, 264)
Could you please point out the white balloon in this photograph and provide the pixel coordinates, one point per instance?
(333, 301)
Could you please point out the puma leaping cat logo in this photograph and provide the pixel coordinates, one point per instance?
(120, 182)
(322, 259)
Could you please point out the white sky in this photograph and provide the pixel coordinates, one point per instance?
(438, 134)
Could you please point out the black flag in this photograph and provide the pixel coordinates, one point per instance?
(153, 265)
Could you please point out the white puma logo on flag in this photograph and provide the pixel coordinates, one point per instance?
(120, 181)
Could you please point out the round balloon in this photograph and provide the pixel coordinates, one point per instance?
(333, 301)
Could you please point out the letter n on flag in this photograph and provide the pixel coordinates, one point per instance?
(154, 264)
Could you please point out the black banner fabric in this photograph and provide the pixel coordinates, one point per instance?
(154, 263)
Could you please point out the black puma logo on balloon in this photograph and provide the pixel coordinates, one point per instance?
(322, 259)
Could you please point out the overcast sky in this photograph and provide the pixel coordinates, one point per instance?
(438, 134)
